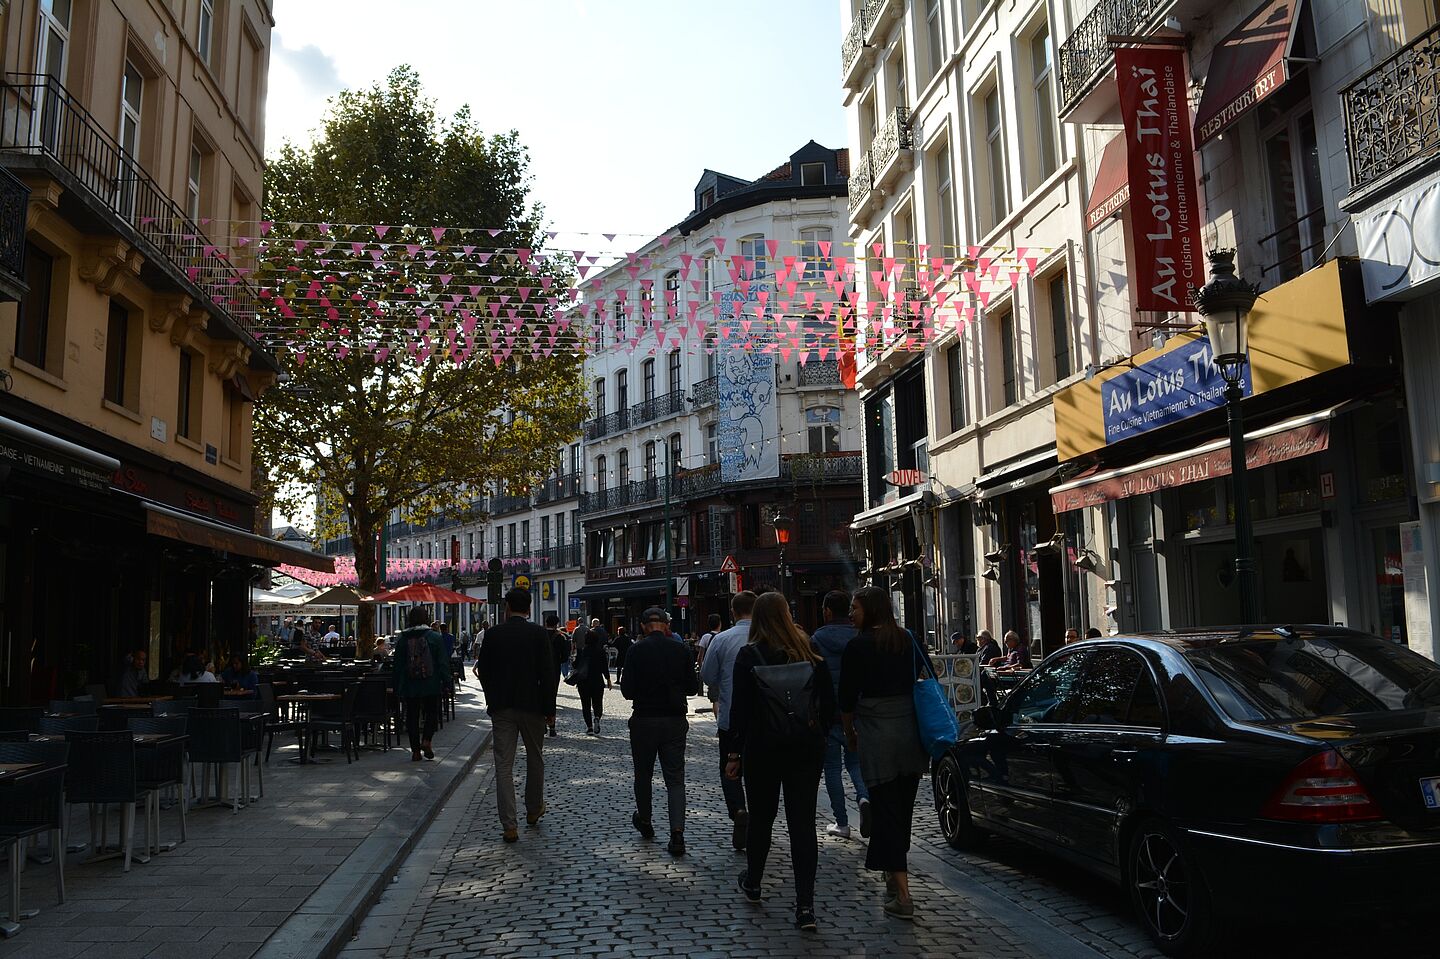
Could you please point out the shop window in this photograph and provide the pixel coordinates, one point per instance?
(1297, 487)
(1199, 506)
(1379, 454)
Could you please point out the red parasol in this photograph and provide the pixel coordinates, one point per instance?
(422, 593)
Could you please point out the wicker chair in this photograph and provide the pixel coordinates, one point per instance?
(343, 722)
(73, 707)
(209, 695)
(21, 717)
(102, 772)
(216, 740)
(164, 767)
(372, 709)
(32, 808)
(61, 725)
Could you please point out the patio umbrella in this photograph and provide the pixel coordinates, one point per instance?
(338, 596)
(423, 593)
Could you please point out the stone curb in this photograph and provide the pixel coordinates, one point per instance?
(325, 923)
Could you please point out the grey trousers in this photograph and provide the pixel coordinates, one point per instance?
(665, 736)
(508, 726)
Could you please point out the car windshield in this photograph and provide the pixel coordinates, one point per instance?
(1301, 678)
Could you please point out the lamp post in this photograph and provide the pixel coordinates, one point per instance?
(1226, 302)
(784, 526)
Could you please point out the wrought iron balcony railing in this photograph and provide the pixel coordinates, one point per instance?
(558, 487)
(820, 373)
(509, 503)
(861, 177)
(895, 135)
(14, 201)
(1392, 112)
(822, 467)
(658, 407)
(606, 425)
(706, 392)
(691, 484)
(854, 40)
(1087, 51)
(42, 119)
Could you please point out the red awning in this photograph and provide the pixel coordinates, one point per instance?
(1247, 66)
(1111, 189)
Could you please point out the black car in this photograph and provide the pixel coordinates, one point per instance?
(1217, 774)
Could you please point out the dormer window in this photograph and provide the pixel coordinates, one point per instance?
(812, 174)
(707, 198)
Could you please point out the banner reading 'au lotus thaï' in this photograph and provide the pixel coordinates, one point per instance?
(1160, 155)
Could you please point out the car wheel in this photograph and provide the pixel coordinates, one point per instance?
(953, 806)
(1168, 890)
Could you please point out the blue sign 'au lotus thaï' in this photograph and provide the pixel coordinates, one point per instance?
(1165, 390)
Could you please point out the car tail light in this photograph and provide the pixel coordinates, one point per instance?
(1322, 789)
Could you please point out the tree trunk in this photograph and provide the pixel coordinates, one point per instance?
(362, 537)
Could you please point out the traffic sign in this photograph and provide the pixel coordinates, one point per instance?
(729, 566)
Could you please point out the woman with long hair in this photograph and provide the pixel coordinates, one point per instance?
(877, 708)
(779, 749)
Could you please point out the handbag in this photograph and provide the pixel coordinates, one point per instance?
(933, 715)
(580, 671)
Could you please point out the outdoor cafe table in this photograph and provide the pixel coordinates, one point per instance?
(14, 774)
(303, 701)
(139, 700)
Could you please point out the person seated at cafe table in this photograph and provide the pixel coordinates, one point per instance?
(311, 653)
(193, 670)
(1018, 656)
(132, 675)
(987, 649)
(239, 675)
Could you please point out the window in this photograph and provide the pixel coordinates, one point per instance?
(544, 532)
(822, 423)
(712, 444)
(575, 459)
(944, 197)
(812, 174)
(1057, 292)
(32, 324)
(815, 248)
(1040, 64)
(673, 461)
(647, 379)
(470, 546)
(1052, 693)
(1010, 391)
(234, 424)
(955, 370)
(752, 249)
(250, 89)
(622, 468)
(207, 30)
(54, 38)
(599, 398)
(132, 92)
(707, 275)
(192, 183)
(651, 458)
(524, 537)
(672, 294)
(1297, 199)
(187, 413)
(620, 307)
(898, 80)
(622, 390)
(992, 169)
(117, 355)
(600, 478)
(707, 198)
(934, 36)
(510, 545)
(674, 371)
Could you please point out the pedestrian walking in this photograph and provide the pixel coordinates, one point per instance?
(420, 667)
(591, 677)
(658, 682)
(560, 649)
(516, 673)
(877, 679)
(830, 641)
(781, 709)
(718, 672)
(622, 643)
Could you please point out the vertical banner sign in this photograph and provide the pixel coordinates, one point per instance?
(1160, 159)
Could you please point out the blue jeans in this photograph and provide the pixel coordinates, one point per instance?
(834, 782)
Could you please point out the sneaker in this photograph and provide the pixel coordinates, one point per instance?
(835, 829)
(533, 818)
(741, 830)
(511, 834)
(643, 826)
(676, 846)
(864, 819)
(751, 893)
(900, 910)
(805, 918)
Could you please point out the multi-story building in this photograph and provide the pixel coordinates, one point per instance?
(129, 134)
(711, 420)
(1060, 485)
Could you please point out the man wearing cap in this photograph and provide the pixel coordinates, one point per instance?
(659, 679)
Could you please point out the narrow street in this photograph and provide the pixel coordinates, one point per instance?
(584, 883)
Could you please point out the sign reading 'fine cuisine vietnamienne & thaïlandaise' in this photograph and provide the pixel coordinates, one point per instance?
(1160, 160)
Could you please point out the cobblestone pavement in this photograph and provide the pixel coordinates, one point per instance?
(585, 884)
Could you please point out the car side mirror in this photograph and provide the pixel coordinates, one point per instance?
(986, 720)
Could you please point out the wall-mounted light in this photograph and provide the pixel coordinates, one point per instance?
(998, 553)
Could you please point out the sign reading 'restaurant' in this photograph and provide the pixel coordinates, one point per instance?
(1160, 158)
(1169, 388)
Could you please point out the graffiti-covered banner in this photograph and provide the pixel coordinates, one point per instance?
(749, 430)
(1160, 158)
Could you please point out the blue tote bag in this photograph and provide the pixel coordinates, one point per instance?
(938, 730)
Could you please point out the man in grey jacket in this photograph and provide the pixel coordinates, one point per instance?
(718, 673)
(830, 641)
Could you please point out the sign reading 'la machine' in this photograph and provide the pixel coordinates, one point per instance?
(1164, 390)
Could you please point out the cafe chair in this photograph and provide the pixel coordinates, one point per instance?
(216, 740)
(73, 707)
(209, 695)
(170, 707)
(102, 773)
(164, 767)
(21, 717)
(14, 735)
(343, 722)
(372, 710)
(61, 725)
(97, 692)
(274, 722)
(29, 809)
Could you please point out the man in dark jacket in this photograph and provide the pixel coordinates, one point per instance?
(659, 678)
(517, 673)
(560, 648)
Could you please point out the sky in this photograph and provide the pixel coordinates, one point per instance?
(622, 103)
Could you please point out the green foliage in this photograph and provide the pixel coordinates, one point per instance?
(424, 438)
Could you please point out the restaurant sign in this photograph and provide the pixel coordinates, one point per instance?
(631, 572)
(51, 465)
(1160, 160)
(1262, 451)
(1165, 390)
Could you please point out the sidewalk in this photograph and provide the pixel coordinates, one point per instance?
(288, 876)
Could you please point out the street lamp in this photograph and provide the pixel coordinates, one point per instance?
(1226, 302)
(784, 526)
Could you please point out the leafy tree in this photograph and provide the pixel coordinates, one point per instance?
(366, 422)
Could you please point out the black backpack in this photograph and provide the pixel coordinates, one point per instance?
(789, 711)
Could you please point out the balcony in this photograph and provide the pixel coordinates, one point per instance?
(658, 408)
(706, 392)
(48, 130)
(1392, 112)
(693, 484)
(566, 556)
(607, 425)
(14, 203)
(558, 488)
(859, 183)
(855, 56)
(891, 153)
(879, 15)
(820, 373)
(1086, 55)
(508, 503)
(633, 493)
(842, 467)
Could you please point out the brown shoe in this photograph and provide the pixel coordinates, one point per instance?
(533, 818)
(512, 834)
(415, 756)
